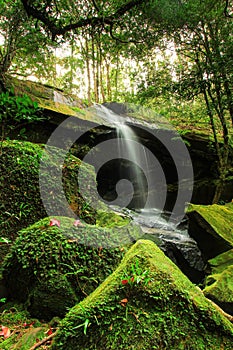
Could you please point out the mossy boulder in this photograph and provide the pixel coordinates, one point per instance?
(221, 262)
(147, 303)
(50, 268)
(211, 226)
(21, 203)
(219, 284)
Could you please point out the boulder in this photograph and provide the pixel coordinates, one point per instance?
(219, 284)
(21, 203)
(146, 303)
(50, 268)
(211, 227)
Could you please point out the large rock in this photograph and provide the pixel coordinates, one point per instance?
(50, 268)
(147, 303)
(21, 203)
(219, 284)
(211, 227)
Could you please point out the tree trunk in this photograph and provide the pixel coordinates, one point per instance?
(86, 55)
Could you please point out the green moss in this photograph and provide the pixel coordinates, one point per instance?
(218, 217)
(221, 286)
(24, 330)
(221, 262)
(27, 340)
(110, 219)
(42, 253)
(51, 296)
(158, 308)
(21, 203)
(44, 96)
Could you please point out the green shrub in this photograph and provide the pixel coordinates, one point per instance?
(15, 111)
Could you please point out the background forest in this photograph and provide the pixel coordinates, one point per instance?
(173, 56)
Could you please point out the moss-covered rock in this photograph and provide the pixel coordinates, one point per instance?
(219, 284)
(21, 203)
(51, 296)
(48, 97)
(107, 218)
(147, 303)
(220, 289)
(221, 262)
(211, 227)
(49, 268)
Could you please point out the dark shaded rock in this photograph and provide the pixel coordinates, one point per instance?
(187, 257)
(51, 296)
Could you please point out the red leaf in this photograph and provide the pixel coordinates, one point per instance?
(5, 332)
(124, 301)
(50, 331)
(55, 222)
(124, 281)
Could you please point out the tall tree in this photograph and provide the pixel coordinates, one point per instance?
(207, 45)
(20, 39)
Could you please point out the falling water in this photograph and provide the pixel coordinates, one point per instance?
(128, 149)
(136, 177)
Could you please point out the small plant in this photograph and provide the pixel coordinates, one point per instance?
(15, 112)
(137, 276)
(4, 240)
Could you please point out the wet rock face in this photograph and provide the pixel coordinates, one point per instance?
(173, 240)
(187, 257)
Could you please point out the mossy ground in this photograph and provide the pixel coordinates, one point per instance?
(25, 331)
(157, 308)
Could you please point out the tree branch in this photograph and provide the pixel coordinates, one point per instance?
(95, 5)
(43, 341)
(95, 21)
(226, 12)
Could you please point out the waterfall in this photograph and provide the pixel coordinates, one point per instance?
(137, 180)
(137, 185)
(129, 150)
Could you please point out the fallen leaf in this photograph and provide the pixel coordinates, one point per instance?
(5, 332)
(123, 302)
(77, 223)
(55, 222)
(49, 331)
(124, 281)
